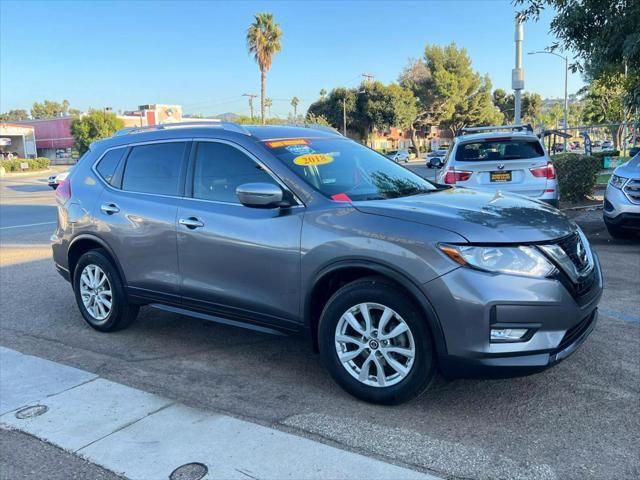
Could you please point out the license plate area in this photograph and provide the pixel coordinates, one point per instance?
(500, 177)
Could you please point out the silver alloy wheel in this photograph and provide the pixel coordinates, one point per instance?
(371, 334)
(95, 291)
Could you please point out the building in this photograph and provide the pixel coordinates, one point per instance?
(19, 140)
(53, 137)
(152, 114)
(397, 139)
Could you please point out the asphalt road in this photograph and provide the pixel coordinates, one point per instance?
(578, 420)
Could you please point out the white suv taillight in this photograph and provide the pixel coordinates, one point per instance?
(547, 171)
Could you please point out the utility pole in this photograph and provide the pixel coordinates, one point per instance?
(367, 78)
(344, 116)
(251, 97)
(517, 74)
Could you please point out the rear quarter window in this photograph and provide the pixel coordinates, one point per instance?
(499, 150)
(108, 164)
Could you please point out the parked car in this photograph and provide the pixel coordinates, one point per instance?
(558, 147)
(301, 230)
(514, 161)
(597, 144)
(55, 179)
(399, 155)
(607, 145)
(622, 200)
(437, 158)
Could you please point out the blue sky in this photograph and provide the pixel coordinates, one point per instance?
(125, 54)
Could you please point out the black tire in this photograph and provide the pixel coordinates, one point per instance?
(122, 313)
(378, 290)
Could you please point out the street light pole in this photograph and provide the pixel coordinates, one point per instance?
(566, 96)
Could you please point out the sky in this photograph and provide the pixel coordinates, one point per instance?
(123, 54)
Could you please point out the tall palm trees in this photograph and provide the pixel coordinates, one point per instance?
(263, 41)
(294, 103)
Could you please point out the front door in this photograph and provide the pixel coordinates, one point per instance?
(238, 261)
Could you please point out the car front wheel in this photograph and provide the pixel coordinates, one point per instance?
(375, 342)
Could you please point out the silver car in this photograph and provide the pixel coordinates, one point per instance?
(622, 200)
(507, 158)
(399, 155)
(302, 231)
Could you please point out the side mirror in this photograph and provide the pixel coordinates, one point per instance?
(260, 195)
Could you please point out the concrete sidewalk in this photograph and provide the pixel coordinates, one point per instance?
(144, 436)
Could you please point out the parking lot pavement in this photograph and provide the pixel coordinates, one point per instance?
(580, 419)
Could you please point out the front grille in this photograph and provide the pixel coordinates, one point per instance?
(575, 332)
(575, 250)
(632, 190)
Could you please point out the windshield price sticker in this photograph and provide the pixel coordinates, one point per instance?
(285, 143)
(312, 159)
(299, 149)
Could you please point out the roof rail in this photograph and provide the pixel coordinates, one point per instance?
(513, 128)
(232, 127)
(314, 126)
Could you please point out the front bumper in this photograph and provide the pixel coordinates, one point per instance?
(618, 209)
(470, 303)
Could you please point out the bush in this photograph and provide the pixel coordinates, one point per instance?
(39, 163)
(577, 175)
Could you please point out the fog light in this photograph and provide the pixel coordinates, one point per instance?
(508, 334)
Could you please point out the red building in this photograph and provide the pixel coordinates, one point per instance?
(53, 136)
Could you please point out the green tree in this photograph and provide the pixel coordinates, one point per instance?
(605, 101)
(601, 32)
(263, 41)
(268, 103)
(531, 104)
(14, 115)
(294, 103)
(95, 125)
(313, 119)
(550, 118)
(449, 92)
(47, 109)
(323, 93)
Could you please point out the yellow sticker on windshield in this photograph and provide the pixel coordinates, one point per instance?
(312, 159)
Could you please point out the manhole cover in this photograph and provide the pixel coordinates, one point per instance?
(31, 411)
(189, 471)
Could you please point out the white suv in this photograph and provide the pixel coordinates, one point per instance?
(508, 158)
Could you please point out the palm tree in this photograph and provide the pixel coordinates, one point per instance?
(267, 103)
(263, 41)
(294, 103)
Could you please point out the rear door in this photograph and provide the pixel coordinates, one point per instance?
(137, 216)
(504, 163)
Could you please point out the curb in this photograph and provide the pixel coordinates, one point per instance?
(24, 174)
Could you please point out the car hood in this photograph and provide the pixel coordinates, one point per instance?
(631, 169)
(479, 216)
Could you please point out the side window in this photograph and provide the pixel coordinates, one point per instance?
(109, 163)
(220, 168)
(154, 168)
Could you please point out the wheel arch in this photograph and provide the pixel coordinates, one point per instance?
(85, 242)
(337, 274)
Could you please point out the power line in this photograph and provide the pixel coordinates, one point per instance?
(251, 97)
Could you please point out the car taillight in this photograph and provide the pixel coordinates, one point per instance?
(452, 176)
(63, 192)
(548, 171)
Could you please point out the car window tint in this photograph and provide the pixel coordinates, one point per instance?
(154, 168)
(509, 149)
(109, 163)
(220, 169)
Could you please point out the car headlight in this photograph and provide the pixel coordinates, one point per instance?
(617, 181)
(527, 261)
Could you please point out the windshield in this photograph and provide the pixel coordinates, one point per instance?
(499, 149)
(345, 170)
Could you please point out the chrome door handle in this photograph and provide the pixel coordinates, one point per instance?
(109, 208)
(191, 222)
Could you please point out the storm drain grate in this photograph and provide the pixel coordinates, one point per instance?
(31, 411)
(189, 471)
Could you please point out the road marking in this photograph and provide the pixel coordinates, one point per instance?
(28, 225)
(619, 315)
(141, 435)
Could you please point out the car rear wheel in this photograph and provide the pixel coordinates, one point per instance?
(100, 294)
(375, 343)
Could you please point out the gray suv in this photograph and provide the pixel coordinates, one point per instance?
(300, 230)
